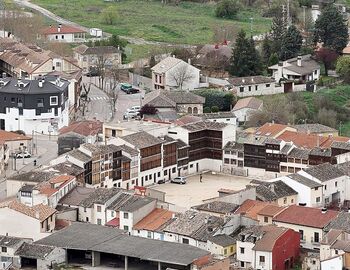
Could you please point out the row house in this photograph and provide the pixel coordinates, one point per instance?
(8, 248)
(150, 155)
(206, 142)
(26, 61)
(233, 157)
(47, 192)
(267, 247)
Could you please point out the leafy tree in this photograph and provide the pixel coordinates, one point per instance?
(331, 29)
(273, 59)
(109, 14)
(328, 57)
(327, 117)
(278, 30)
(306, 3)
(206, 110)
(148, 109)
(227, 9)
(245, 59)
(291, 43)
(343, 68)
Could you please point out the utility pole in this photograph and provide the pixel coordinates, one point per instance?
(288, 14)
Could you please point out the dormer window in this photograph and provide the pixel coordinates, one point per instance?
(54, 100)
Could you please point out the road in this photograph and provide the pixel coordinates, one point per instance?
(100, 106)
(47, 150)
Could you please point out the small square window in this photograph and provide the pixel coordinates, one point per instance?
(242, 250)
(126, 215)
(53, 100)
(4, 249)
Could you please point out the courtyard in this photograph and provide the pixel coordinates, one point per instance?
(194, 192)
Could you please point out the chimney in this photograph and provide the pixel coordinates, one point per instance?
(299, 61)
(40, 83)
(50, 25)
(272, 187)
(189, 61)
(59, 28)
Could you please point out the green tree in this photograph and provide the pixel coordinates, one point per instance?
(109, 15)
(266, 50)
(278, 30)
(245, 59)
(331, 29)
(343, 68)
(227, 9)
(273, 59)
(291, 43)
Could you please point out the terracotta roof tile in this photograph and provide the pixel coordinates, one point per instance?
(12, 136)
(155, 220)
(40, 211)
(64, 29)
(251, 208)
(306, 216)
(270, 210)
(250, 103)
(272, 130)
(84, 128)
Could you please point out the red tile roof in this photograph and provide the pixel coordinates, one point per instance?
(310, 141)
(155, 220)
(271, 235)
(272, 130)
(84, 128)
(12, 136)
(306, 216)
(113, 222)
(40, 211)
(64, 29)
(270, 210)
(251, 208)
(50, 187)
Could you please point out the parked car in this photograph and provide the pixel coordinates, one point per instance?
(93, 72)
(161, 181)
(24, 154)
(126, 87)
(130, 114)
(134, 108)
(179, 180)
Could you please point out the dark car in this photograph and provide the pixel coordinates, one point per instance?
(161, 181)
(93, 72)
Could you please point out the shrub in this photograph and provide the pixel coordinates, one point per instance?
(206, 110)
(214, 97)
(227, 9)
(214, 109)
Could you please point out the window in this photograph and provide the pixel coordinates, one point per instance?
(336, 183)
(242, 264)
(98, 208)
(13, 100)
(53, 100)
(325, 187)
(250, 88)
(20, 111)
(241, 89)
(261, 259)
(62, 36)
(126, 228)
(99, 222)
(4, 249)
(158, 174)
(301, 232)
(318, 199)
(231, 249)
(126, 215)
(165, 172)
(56, 37)
(225, 251)
(336, 252)
(242, 250)
(227, 161)
(174, 170)
(266, 219)
(316, 237)
(85, 209)
(268, 85)
(256, 88)
(149, 235)
(284, 200)
(316, 188)
(112, 213)
(185, 241)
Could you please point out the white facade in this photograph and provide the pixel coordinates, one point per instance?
(149, 234)
(257, 89)
(17, 224)
(335, 263)
(28, 122)
(245, 254)
(244, 114)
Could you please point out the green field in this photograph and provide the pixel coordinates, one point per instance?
(187, 23)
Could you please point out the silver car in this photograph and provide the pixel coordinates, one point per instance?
(179, 180)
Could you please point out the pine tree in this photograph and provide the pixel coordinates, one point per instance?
(245, 59)
(331, 29)
(266, 50)
(278, 30)
(291, 43)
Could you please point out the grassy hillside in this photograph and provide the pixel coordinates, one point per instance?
(188, 23)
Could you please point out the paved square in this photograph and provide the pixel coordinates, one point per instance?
(194, 192)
